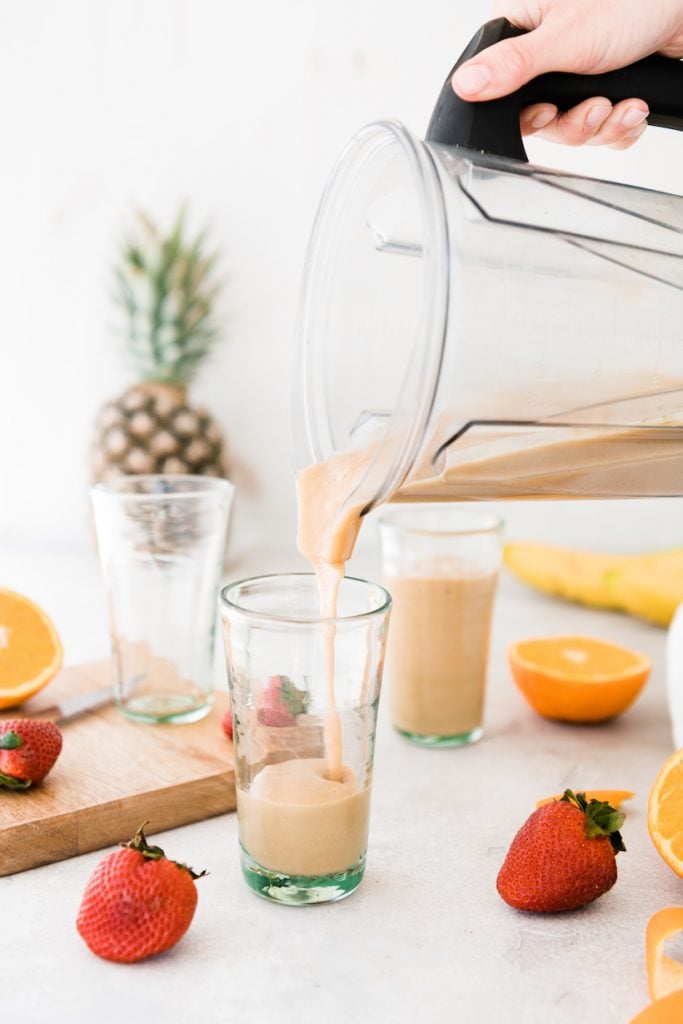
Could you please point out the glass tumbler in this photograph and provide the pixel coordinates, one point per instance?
(441, 566)
(304, 693)
(161, 541)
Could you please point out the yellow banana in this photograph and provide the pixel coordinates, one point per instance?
(647, 586)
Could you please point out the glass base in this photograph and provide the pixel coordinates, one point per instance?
(165, 708)
(300, 890)
(461, 739)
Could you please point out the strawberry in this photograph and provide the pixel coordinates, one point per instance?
(28, 750)
(137, 902)
(274, 715)
(226, 723)
(563, 856)
(281, 702)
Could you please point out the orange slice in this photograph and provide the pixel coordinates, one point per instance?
(665, 812)
(668, 1010)
(578, 678)
(664, 974)
(615, 797)
(30, 651)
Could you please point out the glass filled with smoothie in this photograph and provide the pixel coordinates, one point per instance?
(441, 566)
(304, 693)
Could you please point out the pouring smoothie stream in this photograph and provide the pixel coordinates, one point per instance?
(327, 532)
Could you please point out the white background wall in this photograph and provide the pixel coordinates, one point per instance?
(241, 108)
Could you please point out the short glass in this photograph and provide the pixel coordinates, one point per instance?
(161, 541)
(304, 753)
(441, 565)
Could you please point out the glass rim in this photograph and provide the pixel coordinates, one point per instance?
(483, 523)
(203, 486)
(226, 604)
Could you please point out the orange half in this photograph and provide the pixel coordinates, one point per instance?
(665, 812)
(30, 651)
(578, 678)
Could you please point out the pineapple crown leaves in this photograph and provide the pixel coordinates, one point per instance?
(168, 288)
(601, 818)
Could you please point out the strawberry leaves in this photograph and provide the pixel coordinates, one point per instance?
(601, 818)
(296, 700)
(10, 740)
(9, 782)
(139, 843)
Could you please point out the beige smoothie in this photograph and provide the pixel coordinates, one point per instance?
(438, 649)
(558, 462)
(295, 820)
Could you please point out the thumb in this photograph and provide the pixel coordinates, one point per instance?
(502, 68)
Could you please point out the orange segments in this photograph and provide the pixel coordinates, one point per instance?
(665, 812)
(615, 797)
(664, 974)
(577, 678)
(663, 1011)
(30, 651)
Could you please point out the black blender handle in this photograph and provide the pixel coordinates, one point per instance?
(492, 126)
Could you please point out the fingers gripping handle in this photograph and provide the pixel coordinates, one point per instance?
(493, 126)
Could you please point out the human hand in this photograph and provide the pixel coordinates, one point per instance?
(581, 36)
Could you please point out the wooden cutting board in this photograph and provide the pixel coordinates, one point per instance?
(112, 775)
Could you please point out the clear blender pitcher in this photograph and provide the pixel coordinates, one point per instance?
(490, 329)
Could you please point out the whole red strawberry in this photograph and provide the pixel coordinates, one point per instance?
(563, 856)
(28, 750)
(136, 903)
(281, 702)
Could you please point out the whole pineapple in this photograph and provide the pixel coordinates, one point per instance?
(167, 289)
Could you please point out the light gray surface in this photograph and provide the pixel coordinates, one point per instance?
(426, 938)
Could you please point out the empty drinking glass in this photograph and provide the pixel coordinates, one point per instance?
(161, 541)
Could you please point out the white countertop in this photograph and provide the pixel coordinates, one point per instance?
(426, 937)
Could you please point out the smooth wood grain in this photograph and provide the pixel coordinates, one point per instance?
(112, 775)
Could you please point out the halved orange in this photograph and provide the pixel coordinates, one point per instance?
(664, 974)
(614, 797)
(578, 678)
(30, 651)
(665, 812)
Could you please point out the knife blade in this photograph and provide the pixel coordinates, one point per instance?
(73, 707)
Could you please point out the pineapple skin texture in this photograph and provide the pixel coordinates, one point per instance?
(648, 586)
(152, 428)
